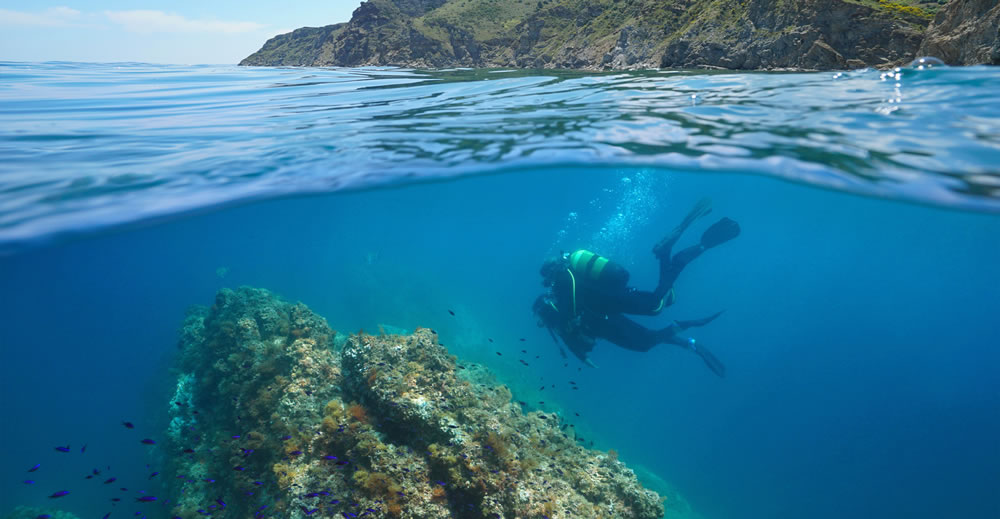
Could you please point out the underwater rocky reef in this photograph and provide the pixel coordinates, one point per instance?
(277, 415)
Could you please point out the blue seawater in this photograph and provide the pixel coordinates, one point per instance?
(860, 332)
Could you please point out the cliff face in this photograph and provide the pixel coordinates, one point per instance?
(612, 34)
(965, 32)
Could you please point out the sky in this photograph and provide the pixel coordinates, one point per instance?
(176, 32)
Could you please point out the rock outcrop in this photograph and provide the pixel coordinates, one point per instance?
(276, 415)
(965, 32)
(612, 34)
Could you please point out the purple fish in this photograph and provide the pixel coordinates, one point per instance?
(110, 481)
(146, 499)
(147, 441)
(128, 425)
(60, 493)
(29, 482)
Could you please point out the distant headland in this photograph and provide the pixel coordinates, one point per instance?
(638, 34)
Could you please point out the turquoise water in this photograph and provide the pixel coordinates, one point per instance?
(859, 334)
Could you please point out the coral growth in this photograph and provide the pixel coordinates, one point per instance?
(273, 420)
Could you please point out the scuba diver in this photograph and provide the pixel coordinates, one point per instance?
(588, 295)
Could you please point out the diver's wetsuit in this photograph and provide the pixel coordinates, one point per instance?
(599, 303)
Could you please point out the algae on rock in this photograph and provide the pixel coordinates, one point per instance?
(272, 420)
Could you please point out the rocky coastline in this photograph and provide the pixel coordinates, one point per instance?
(645, 34)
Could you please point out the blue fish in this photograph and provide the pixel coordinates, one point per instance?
(61, 493)
(128, 425)
(146, 499)
(32, 469)
(147, 441)
(110, 480)
(63, 449)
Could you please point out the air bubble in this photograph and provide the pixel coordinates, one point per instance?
(926, 62)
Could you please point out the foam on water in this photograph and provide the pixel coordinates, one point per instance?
(87, 146)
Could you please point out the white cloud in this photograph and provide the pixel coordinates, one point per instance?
(51, 17)
(148, 21)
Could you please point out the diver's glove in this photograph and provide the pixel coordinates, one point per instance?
(713, 363)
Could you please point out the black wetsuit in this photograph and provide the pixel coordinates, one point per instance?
(598, 306)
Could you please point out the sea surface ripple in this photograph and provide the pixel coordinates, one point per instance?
(88, 146)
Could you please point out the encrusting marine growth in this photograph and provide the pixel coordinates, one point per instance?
(276, 415)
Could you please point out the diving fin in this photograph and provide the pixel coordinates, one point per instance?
(701, 208)
(694, 323)
(713, 363)
(720, 232)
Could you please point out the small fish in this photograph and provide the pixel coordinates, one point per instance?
(153, 475)
(116, 499)
(147, 441)
(258, 483)
(295, 453)
(188, 451)
(63, 449)
(524, 351)
(451, 312)
(58, 494)
(522, 339)
(29, 482)
(110, 481)
(146, 499)
(286, 437)
(43, 516)
(36, 467)
(83, 449)
(106, 515)
(128, 425)
(221, 502)
(308, 511)
(239, 467)
(489, 339)
(328, 457)
(499, 354)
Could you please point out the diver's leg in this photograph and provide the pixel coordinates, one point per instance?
(670, 268)
(702, 208)
(626, 333)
